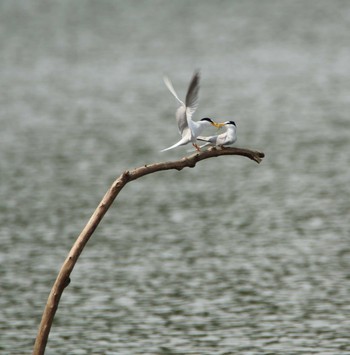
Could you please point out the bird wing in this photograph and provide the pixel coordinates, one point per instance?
(169, 85)
(181, 111)
(182, 120)
(185, 111)
(192, 99)
(222, 139)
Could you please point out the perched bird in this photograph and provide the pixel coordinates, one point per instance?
(189, 129)
(226, 138)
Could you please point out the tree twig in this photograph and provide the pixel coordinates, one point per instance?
(63, 280)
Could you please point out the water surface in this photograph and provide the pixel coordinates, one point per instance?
(228, 258)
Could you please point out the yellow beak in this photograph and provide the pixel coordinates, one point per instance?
(218, 125)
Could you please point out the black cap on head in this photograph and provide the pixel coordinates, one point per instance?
(230, 122)
(207, 119)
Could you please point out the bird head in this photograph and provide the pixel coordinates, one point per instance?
(228, 123)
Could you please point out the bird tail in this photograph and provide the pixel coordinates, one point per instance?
(210, 140)
(204, 145)
(205, 139)
(180, 142)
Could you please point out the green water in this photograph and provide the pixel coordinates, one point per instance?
(228, 258)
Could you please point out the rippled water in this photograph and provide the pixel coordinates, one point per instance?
(228, 258)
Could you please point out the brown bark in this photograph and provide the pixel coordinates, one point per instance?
(63, 279)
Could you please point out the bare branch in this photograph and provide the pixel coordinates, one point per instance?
(62, 280)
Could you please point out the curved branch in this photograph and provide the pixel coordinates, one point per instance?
(62, 280)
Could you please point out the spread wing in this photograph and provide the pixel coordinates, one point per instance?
(182, 120)
(181, 111)
(169, 85)
(185, 111)
(192, 99)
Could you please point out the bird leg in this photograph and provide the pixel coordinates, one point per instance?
(197, 147)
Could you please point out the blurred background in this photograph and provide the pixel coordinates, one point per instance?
(230, 257)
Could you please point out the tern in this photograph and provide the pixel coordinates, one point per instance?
(189, 129)
(226, 138)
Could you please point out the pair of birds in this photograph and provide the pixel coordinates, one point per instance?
(190, 130)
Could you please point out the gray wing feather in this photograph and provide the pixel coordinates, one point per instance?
(170, 86)
(181, 111)
(182, 120)
(192, 93)
(185, 111)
